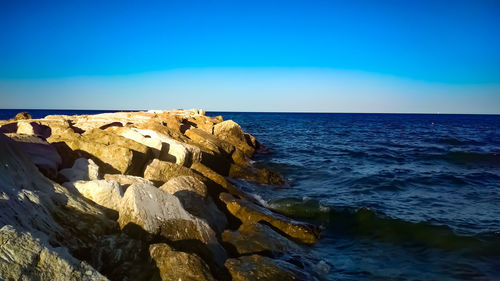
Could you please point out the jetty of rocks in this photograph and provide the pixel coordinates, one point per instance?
(139, 196)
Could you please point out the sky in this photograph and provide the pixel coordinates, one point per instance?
(305, 56)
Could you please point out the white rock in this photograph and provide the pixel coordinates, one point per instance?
(83, 169)
(160, 213)
(103, 192)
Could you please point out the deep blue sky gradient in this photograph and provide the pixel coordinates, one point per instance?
(444, 42)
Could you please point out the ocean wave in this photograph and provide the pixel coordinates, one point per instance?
(463, 157)
(366, 223)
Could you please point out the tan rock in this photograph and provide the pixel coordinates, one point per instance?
(160, 171)
(263, 175)
(249, 212)
(231, 132)
(126, 180)
(253, 238)
(175, 265)
(112, 153)
(258, 268)
(217, 179)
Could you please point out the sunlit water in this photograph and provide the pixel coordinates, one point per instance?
(400, 197)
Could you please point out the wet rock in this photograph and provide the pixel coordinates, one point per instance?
(249, 212)
(83, 169)
(103, 192)
(255, 267)
(253, 238)
(147, 212)
(263, 175)
(25, 257)
(175, 265)
(193, 195)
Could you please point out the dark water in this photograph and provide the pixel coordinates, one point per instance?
(400, 196)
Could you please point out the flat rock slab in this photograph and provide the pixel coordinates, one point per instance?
(249, 212)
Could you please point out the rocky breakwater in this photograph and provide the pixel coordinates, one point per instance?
(140, 196)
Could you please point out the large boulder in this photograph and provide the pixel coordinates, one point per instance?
(113, 153)
(83, 169)
(249, 212)
(160, 171)
(173, 150)
(231, 132)
(43, 155)
(32, 203)
(147, 212)
(194, 197)
(25, 257)
(253, 238)
(175, 265)
(103, 192)
(259, 268)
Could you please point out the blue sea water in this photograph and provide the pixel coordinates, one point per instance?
(399, 196)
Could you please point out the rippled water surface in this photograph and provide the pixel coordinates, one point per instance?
(401, 196)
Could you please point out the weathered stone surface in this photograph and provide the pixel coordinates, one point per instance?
(263, 175)
(126, 180)
(104, 192)
(216, 178)
(83, 169)
(22, 116)
(113, 153)
(209, 141)
(146, 210)
(253, 238)
(136, 136)
(24, 257)
(32, 203)
(43, 155)
(195, 199)
(28, 127)
(173, 150)
(249, 212)
(255, 267)
(162, 171)
(120, 257)
(231, 132)
(175, 265)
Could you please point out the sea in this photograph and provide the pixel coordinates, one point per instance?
(398, 196)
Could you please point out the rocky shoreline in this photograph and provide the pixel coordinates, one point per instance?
(140, 196)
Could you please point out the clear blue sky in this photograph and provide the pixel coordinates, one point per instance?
(375, 56)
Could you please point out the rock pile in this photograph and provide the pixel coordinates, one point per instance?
(138, 196)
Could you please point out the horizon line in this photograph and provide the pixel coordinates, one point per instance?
(282, 112)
